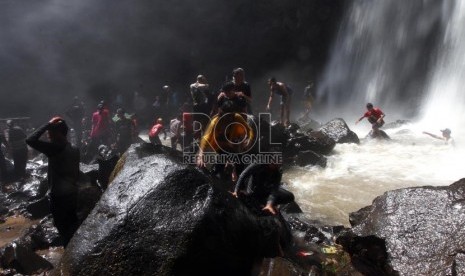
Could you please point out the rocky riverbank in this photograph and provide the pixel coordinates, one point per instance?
(162, 217)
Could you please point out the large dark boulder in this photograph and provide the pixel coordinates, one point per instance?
(421, 230)
(159, 217)
(21, 258)
(338, 130)
(308, 124)
(278, 133)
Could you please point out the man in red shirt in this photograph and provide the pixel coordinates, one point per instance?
(375, 117)
(155, 130)
(100, 133)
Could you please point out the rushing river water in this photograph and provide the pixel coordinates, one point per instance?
(408, 57)
(356, 174)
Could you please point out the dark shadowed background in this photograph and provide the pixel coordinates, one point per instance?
(52, 50)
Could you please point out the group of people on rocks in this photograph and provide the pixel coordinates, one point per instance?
(217, 122)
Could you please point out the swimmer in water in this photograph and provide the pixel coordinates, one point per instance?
(445, 136)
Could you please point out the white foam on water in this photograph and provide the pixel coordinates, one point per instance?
(356, 174)
(374, 59)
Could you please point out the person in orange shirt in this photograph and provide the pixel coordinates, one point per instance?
(227, 133)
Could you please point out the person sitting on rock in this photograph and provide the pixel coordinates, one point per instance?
(63, 174)
(263, 183)
(375, 117)
(155, 130)
(445, 136)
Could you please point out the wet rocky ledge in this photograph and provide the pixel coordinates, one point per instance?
(160, 217)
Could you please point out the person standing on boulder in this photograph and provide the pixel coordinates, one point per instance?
(375, 116)
(155, 130)
(101, 123)
(285, 92)
(263, 183)
(63, 174)
(309, 98)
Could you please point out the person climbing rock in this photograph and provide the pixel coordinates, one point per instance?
(263, 183)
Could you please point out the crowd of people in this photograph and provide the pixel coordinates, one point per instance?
(217, 122)
(208, 123)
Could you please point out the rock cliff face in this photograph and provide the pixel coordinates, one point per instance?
(412, 231)
(159, 217)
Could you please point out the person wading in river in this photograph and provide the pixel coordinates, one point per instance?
(445, 136)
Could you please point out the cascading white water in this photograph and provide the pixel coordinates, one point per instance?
(444, 106)
(376, 58)
(382, 54)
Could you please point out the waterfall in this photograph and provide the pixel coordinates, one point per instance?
(402, 56)
(383, 54)
(444, 105)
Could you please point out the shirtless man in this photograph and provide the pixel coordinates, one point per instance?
(285, 92)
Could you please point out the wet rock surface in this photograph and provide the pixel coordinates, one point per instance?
(20, 242)
(314, 251)
(23, 260)
(338, 130)
(162, 218)
(25, 221)
(415, 231)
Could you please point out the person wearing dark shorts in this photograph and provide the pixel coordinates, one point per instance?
(375, 116)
